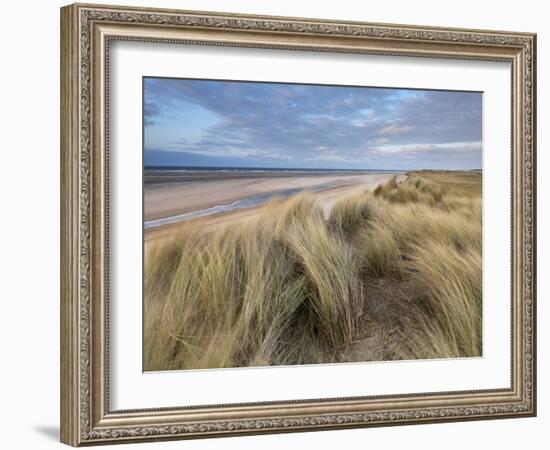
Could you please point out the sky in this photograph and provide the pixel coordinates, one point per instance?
(272, 125)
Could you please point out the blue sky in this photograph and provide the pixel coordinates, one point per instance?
(226, 123)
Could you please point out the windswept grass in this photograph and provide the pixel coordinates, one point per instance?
(392, 274)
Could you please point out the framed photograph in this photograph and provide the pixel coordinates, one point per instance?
(276, 224)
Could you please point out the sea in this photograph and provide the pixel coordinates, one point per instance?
(183, 169)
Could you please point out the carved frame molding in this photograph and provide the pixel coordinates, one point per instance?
(86, 32)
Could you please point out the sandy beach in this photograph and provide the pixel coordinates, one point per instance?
(173, 194)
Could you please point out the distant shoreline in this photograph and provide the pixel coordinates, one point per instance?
(176, 195)
(203, 196)
(244, 203)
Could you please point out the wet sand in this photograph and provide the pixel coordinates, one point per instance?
(196, 192)
(193, 193)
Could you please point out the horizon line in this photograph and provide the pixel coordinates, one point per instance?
(152, 166)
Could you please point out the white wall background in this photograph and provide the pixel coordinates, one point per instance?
(29, 229)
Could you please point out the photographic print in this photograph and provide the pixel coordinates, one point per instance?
(291, 224)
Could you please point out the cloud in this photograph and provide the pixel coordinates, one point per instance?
(380, 141)
(150, 111)
(394, 129)
(302, 123)
(446, 147)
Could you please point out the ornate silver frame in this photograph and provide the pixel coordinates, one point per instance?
(86, 32)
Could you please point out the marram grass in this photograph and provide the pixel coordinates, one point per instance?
(392, 274)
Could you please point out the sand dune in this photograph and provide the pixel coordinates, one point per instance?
(394, 274)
